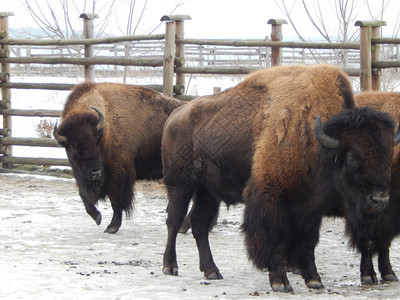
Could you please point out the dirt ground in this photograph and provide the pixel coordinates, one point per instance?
(50, 247)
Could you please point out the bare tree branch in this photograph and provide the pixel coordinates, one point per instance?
(287, 12)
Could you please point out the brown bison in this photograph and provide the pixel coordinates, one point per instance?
(255, 143)
(112, 136)
(388, 224)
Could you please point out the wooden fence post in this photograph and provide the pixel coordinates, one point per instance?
(180, 51)
(174, 31)
(367, 53)
(376, 32)
(276, 35)
(5, 102)
(88, 33)
(169, 59)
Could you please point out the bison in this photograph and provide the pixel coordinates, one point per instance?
(255, 142)
(388, 224)
(112, 136)
(298, 180)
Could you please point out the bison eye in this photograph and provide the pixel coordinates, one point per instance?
(73, 149)
(352, 160)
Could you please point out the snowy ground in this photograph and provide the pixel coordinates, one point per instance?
(50, 248)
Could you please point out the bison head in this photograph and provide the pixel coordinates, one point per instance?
(357, 149)
(80, 135)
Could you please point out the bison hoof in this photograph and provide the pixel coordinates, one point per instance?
(369, 279)
(315, 284)
(390, 277)
(283, 288)
(98, 219)
(170, 271)
(111, 229)
(214, 275)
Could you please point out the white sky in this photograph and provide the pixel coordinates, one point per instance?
(220, 18)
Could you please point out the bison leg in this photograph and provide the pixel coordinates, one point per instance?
(178, 202)
(93, 212)
(116, 220)
(385, 268)
(368, 275)
(279, 281)
(120, 192)
(91, 209)
(302, 256)
(309, 270)
(204, 211)
(277, 272)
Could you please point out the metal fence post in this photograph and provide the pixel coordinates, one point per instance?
(276, 36)
(88, 33)
(5, 102)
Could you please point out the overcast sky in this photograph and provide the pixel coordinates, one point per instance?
(219, 18)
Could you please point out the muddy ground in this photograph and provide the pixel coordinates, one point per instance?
(49, 247)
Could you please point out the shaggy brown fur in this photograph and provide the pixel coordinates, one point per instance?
(210, 145)
(127, 148)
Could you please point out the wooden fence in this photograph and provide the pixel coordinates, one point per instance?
(172, 65)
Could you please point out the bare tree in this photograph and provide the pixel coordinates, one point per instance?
(58, 19)
(133, 18)
(343, 13)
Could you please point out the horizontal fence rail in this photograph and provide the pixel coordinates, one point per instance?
(169, 56)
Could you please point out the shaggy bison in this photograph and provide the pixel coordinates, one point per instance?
(112, 137)
(255, 143)
(388, 224)
(294, 182)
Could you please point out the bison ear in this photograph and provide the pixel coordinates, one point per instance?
(324, 139)
(62, 140)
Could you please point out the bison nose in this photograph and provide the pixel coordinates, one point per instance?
(378, 201)
(95, 174)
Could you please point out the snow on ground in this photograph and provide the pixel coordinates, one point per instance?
(50, 248)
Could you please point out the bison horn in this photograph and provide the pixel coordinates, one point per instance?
(59, 138)
(101, 118)
(324, 139)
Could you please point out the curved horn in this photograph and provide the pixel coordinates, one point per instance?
(324, 139)
(101, 118)
(59, 138)
(396, 137)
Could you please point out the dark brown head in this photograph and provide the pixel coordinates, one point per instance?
(80, 135)
(356, 152)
